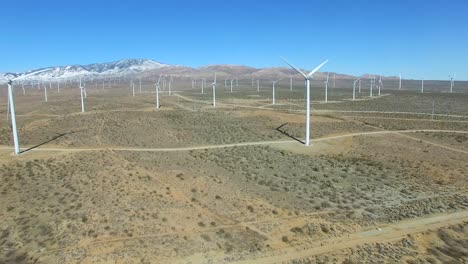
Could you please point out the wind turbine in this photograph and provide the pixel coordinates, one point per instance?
(83, 94)
(157, 92)
(45, 92)
(232, 80)
(214, 90)
(307, 79)
(452, 83)
(371, 86)
(380, 83)
(359, 85)
(258, 85)
(326, 87)
(422, 85)
(399, 85)
(273, 96)
(11, 103)
(354, 89)
(202, 86)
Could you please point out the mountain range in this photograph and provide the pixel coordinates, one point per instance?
(141, 68)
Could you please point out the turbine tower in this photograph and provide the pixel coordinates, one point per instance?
(157, 92)
(452, 83)
(354, 89)
(380, 84)
(399, 85)
(82, 92)
(45, 92)
(202, 86)
(11, 104)
(326, 87)
(371, 86)
(422, 85)
(307, 79)
(273, 96)
(214, 90)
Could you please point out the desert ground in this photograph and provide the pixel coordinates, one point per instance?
(384, 181)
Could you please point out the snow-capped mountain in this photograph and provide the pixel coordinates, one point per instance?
(95, 70)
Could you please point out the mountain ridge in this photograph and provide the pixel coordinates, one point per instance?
(141, 68)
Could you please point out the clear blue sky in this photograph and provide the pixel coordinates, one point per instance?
(417, 38)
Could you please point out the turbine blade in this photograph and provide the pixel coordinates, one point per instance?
(292, 66)
(316, 69)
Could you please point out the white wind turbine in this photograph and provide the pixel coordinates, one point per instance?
(214, 90)
(157, 92)
(232, 80)
(380, 84)
(326, 87)
(170, 84)
(452, 83)
(45, 92)
(83, 95)
(307, 78)
(371, 86)
(399, 84)
(258, 85)
(422, 85)
(273, 96)
(202, 86)
(11, 104)
(354, 89)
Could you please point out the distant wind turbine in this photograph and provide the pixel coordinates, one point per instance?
(452, 83)
(422, 85)
(399, 84)
(83, 94)
(214, 90)
(354, 89)
(326, 87)
(307, 78)
(273, 96)
(380, 84)
(157, 92)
